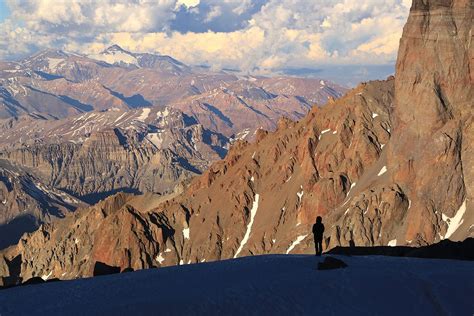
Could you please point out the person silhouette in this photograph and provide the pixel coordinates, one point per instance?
(318, 230)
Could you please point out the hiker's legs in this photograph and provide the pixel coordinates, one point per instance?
(319, 247)
(316, 246)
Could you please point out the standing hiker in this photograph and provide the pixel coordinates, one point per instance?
(318, 230)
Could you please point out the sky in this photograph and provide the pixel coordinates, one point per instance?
(253, 36)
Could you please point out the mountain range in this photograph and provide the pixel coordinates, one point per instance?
(388, 163)
(91, 126)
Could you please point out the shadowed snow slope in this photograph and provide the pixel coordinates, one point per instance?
(276, 284)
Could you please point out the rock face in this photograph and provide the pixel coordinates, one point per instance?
(389, 163)
(26, 202)
(430, 154)
(113, 232)
(95, 154)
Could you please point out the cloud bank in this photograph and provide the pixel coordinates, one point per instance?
(257, 36)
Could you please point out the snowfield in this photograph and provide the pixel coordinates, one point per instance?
(261, 285)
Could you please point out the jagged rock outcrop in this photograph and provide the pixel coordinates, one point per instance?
(389, 163)
(98, 153)
(26, 202)
(113, 232)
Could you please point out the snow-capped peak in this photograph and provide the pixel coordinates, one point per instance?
(116, 55)
(115, 48)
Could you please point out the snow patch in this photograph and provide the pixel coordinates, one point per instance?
(392, 243)
(116, 57)
(253, 212)
(322, 83)
(374, 115)
(382, 171)
(144, 115)
(186, 233)
(323, 132)
(156, 139)
(295, 243)
(118, 119)
(300, 195)
(352, 186)
(160, 258)
(46, 276)
(241, 135)
(456, 221)
(53, 63)
(164, 114)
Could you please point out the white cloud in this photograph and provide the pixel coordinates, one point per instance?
(215, 12)
(187, 3)
(265, 34)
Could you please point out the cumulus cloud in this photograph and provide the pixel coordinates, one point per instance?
(251, 35)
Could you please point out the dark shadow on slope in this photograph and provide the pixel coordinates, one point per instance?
(76, 104)
(446, 249)
(47, 76)
(11, 232)
(101, 268)
(48, 205)
(207, 138)
(135, 101)
(304, 101)
(219, 114)
(189, 120)
(186, 165)
(14, 266)
(10, 103)
(65, 99)
(94, 198)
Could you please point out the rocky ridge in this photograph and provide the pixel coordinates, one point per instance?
(56, 84)
(26, 203)
(94, 154)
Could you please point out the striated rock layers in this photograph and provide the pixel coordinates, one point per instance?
(144, 151)
(390, 163)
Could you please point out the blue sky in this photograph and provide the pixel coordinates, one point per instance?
(255, 36)
(4, 10)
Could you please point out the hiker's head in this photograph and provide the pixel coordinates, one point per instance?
(319, 219)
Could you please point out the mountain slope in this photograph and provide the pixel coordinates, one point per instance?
(26, 203)
(146, 150)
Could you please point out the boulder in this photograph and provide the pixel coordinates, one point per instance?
(331, 263)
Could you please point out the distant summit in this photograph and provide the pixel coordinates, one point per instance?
(115, 55)
(115, 48)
